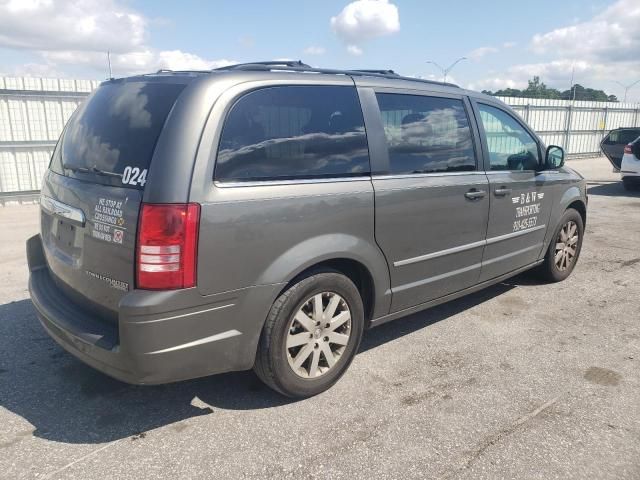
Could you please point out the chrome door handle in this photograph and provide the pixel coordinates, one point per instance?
(475, 194)
(501, 192)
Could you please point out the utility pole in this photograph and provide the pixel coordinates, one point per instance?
(445, 71)
(109, 63)
(572, 87)
(627, 88)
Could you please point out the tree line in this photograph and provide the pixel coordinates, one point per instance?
(538, 89)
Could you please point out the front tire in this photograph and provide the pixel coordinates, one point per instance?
(565, 246)
(311, 335)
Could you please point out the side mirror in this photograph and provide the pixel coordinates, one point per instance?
(554, 158)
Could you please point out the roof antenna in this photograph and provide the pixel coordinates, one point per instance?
(109, 62)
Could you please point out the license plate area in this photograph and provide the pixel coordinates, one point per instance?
(65, 235)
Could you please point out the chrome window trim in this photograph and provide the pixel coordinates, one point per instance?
(386, 176)
(502, 172)
(297, 181)
(469, 246)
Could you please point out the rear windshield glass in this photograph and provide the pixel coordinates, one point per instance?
(111, 137)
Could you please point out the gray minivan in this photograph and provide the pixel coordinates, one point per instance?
(263, 215)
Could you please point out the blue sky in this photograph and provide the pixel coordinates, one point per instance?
(506, 42)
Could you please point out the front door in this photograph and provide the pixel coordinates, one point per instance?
(520, 194)
(432, 202)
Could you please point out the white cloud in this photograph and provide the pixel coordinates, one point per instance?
(611, 36)
(478, 53)
(434, 77)
(177, 59)
(558, 71)
(79, 24)
(509, 44)
(557, 74)
(80, 32)
(364, 20)
(315, 50)
(37, 70)
(139, 61)
(600, 51)
(495, 83)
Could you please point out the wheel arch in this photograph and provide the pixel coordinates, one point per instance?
(581, 208)
(355, 271)
(572, 197)
(363, 263)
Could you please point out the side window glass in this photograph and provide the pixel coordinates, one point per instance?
(291, 132)
(510, 145)
(426, 134)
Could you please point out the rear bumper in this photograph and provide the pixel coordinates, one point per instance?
(160, 337)
(630, 166)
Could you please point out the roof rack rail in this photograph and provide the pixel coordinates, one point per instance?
(299, 66)
(381, 72)
(273, 64)
(168, 70)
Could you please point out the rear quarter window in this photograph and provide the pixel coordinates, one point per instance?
(293, 132)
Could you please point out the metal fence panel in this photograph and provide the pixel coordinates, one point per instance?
(33, 112)
(577, 126)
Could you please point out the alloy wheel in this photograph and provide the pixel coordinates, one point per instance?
(566, 246)
(318, 334)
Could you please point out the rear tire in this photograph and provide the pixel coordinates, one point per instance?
(564, 248)
(311, 335)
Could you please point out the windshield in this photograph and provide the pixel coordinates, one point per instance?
(111, 137)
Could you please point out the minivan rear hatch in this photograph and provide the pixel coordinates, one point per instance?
(92, 193)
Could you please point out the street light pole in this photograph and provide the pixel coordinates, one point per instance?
(627, 88)
(445, 71)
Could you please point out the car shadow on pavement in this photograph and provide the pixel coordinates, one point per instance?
(611, 189)
(390, 331)
(67, 401)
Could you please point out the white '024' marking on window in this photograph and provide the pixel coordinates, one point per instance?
(134, 176)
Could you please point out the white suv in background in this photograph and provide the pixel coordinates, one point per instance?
(630, 167)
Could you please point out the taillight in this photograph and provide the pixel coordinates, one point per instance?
(166, 254)
(627, 149)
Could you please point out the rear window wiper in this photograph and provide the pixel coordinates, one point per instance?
(95, 170)
(75, 168)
